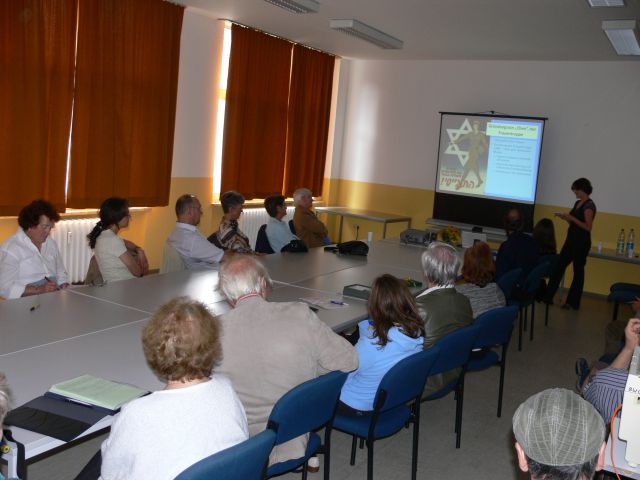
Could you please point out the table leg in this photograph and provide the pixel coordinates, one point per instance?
(384, 230)
(340, 230)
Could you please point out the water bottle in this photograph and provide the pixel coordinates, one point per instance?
(620, 244)
(631, 243)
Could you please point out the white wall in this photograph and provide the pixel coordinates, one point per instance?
(392, 122)
(196, 106)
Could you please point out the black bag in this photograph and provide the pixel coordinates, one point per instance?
(353, 247)
(295, 246)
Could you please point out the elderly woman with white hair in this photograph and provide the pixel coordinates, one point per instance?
(308, 228)
(441, 306)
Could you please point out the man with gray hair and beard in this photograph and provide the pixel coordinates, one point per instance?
(441, 306)
(271, 347)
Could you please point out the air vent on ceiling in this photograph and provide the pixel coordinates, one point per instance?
(367, 33)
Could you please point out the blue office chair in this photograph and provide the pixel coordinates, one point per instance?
(527, 299)
(397, 403)
(496, 327)
(508, 282)
(455, 349)
(262, 242)
(622, 292)
(305, 408)
(244, 461)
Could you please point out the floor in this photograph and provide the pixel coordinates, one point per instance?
(487, 441)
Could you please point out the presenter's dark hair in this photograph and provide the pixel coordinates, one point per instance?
(112, 210)
(230, 199)
(272, 203)
(30, 215)
(582, 184)
(184, 202)
(391, 304)
(182, 341)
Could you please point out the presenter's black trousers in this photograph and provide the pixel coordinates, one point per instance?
(573, 251)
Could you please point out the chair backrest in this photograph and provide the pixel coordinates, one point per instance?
(535, 276)
(292, 227)
(244, 461)
(508, 281)
(405, 380)
(262, 241)
(306, 407)
(455, 349)
(171, 260)
(495, 326)
(94, 276)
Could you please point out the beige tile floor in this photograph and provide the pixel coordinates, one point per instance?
(487, 441)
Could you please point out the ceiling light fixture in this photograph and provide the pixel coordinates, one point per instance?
(623, 35)
(297, 6)
(605, 3)
(367, 33)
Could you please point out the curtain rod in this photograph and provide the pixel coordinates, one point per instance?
(278, 36)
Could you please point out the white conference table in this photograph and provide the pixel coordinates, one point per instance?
(97, 329)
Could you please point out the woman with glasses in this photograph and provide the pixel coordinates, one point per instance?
(30, 263)
(118, 259)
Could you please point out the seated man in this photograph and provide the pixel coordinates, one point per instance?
(271, 347)
(278, 232)
(519, 250)
(558, 436)
(308, 228)
(195, 250)
(441, 306)
(229, 236)
(30, 262)
(605, 390)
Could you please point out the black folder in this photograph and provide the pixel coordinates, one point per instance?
(55, 418)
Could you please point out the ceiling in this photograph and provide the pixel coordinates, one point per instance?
(443, 29)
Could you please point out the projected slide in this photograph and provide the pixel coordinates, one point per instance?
(489, 156)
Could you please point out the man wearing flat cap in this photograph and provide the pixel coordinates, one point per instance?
(559, 435)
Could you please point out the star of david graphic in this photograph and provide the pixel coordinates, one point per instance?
(454, 134)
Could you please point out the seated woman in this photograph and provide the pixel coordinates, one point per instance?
(30, 262)
(479, 271)
(278, 232)
(229, 236)
(308, 228)
(544, 234)
(394, 331)
(118, 259)
(194, 416)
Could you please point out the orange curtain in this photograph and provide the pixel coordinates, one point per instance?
(308, 120)
(125, 102)
(255, 125)
(37, 43)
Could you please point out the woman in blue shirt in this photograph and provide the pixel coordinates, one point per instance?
(394, 331)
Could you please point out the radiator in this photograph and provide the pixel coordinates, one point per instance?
(252, 219)
(71, 237)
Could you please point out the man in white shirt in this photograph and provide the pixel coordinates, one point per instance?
(30, 263)
(278, 232)
(196, 251)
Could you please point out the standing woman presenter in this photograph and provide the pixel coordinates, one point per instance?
(577, 245)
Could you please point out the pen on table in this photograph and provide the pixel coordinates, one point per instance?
(34, 306)
(336, 302)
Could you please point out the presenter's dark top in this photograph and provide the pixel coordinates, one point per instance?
(517, 251)
(575, 232)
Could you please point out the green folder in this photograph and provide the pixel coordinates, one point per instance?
(97, 391)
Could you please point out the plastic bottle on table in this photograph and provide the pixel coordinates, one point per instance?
(631, 241)
(620, 244)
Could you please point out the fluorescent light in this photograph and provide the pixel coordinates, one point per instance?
(605, 3)
(297, 6)
(623, 35)
(367, 33)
